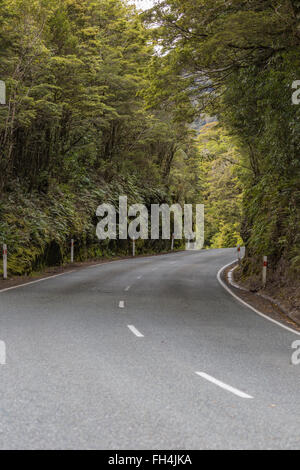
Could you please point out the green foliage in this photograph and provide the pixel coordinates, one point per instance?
(219, 168)
(75, 130)
(100, 104)
(238, 61)
(38, 228)
(75, 72)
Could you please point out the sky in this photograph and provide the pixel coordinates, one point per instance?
(144, 4)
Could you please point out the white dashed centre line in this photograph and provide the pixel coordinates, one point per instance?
(122, 304)
(135, 331)
(139, 277)
(127, 288)
(233, 390)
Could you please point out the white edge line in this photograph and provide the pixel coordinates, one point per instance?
(233, 390)
(231, 281)
(38, 280)
(248, 305)
(135, 331)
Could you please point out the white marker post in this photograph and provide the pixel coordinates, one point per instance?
(264, 271)
(72, 251)
(4, 261)
(133, 247)
(2, 93)
(239, 253)
(172, 242)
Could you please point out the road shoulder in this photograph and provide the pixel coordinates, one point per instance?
(263, 306)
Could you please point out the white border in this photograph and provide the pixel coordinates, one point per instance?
(248, 305)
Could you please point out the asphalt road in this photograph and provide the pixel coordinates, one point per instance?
(148, 353)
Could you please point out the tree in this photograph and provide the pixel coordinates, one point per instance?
(237, 60)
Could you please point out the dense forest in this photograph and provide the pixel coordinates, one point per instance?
(105, 100)
(76, 131)
(238, 60)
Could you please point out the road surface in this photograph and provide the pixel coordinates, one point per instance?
(147, 353)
